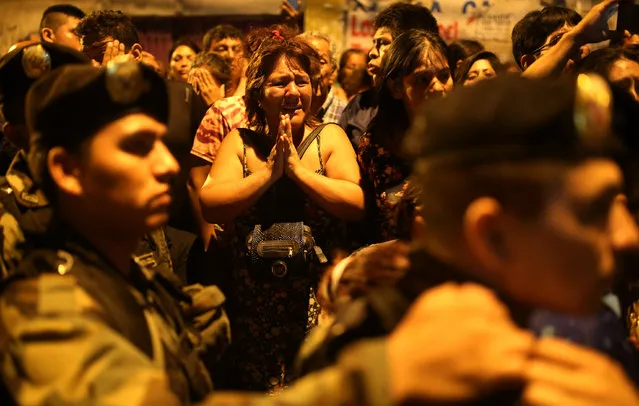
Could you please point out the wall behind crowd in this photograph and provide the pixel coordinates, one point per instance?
(488, 21)
(18, 18)
(347, 21)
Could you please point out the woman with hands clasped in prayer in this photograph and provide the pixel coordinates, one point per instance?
(284, 170)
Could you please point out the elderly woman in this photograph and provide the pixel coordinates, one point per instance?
(263, 181)
(414, 69)
(481, 66)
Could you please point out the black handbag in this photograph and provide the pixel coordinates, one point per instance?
(284, 250)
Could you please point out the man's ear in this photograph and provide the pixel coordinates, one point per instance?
(526, 61)
(64, 170)
(136, 52)
(396, 88)
(484, 234)
(47, 35)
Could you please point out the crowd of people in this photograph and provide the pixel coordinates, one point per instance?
(269, 221)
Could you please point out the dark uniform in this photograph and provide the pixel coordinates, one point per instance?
(75, 330)
(458, 130)
(24, 210)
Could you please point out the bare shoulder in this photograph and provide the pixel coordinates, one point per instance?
(333, 138)
(233, 142)
(333, 133)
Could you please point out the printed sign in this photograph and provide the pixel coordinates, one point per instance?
(483, 20)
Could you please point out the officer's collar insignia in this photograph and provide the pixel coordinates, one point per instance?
(125, 82)
(36, 61)
(593, 102)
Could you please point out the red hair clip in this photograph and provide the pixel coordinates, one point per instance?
(277, 35)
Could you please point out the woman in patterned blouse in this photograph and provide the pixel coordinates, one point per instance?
(415, 68)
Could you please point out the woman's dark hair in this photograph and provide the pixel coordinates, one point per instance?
(186, 43)
(460, 50)
(267, 45)
(404, 55)
(462, 73)
(399, 17)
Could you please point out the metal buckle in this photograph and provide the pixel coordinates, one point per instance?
(279, 269)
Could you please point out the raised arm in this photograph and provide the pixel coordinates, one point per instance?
(591, 29)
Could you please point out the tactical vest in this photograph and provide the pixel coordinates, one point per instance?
(124, 301)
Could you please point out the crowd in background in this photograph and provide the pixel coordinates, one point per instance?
(330, 198)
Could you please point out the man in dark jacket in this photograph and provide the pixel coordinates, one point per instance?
(523, 201)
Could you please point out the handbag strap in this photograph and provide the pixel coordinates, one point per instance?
(301, 149)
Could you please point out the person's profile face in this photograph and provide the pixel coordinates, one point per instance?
(67, 36)
(287, 90)
(381, 42)
(563, 260)
(125, 174)
(323, 48)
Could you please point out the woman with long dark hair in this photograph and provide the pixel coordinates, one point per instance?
(414, 69)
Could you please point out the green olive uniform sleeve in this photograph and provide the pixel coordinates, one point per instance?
(56, 349)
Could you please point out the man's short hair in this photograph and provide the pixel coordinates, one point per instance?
(485, 140)
(531, 32)
(220, 32)
(57, 15)
(109, 23)
(215, 64)
(399, 17)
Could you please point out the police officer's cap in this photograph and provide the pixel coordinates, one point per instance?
(20, 68)
(73, 103)
(513, 118)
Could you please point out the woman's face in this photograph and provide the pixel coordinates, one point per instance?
(480, 70)
(430, 79)
(287, 90)
(181, 61)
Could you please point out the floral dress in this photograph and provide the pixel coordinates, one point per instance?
(385, 179)
(270, 320)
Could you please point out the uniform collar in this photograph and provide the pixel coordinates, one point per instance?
(427, 271)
